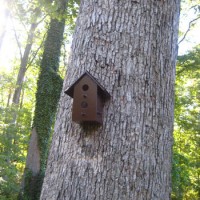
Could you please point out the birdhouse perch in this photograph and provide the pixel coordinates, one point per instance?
(88, 99)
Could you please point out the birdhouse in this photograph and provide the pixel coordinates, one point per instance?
(88, 99)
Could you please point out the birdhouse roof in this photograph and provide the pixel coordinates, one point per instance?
(102, 90)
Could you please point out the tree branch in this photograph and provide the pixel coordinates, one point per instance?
(32, 59)
(43, 18)
(189, 26)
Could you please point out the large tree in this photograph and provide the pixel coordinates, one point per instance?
(130, 47)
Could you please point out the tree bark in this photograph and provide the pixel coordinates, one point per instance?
(131, 48)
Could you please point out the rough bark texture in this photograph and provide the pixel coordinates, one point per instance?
(131, 48)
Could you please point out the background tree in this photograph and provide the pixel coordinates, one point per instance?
(30, 16)
(48, 92)
(130, 47)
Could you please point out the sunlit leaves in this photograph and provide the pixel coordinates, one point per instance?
(14, 137)
(186, 161)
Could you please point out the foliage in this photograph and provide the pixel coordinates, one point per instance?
(186, 161)
(13, 145)
(49, 88)
(32, 185)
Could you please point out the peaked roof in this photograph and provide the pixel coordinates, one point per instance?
(70, 90)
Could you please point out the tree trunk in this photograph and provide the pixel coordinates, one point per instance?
(48, 92)
(9, 97)
(131, 48)
(23, 65)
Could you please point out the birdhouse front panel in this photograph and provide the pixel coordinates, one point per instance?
(85, 101)
(88, 99)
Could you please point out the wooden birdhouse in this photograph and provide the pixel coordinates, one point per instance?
(88, 99)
